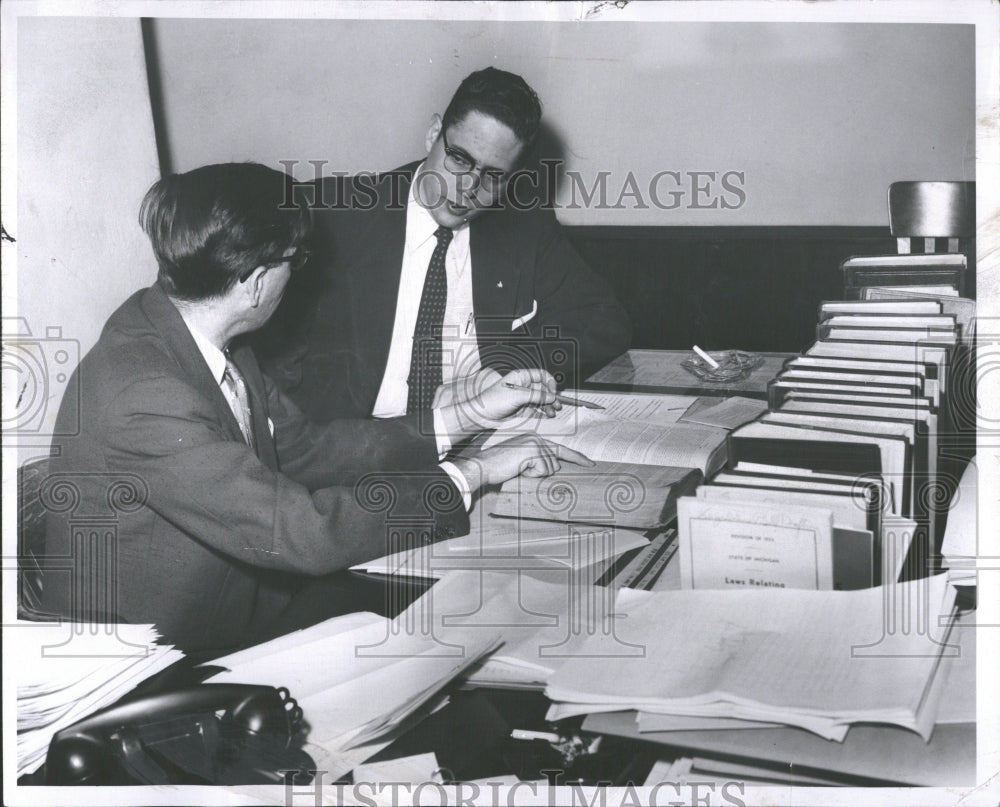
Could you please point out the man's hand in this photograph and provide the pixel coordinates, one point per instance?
(526, 454)
(485, 399)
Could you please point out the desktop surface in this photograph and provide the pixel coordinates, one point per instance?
(661, 371)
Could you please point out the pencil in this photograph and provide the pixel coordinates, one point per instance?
(566, 399)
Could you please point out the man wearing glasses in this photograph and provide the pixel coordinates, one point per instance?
(226, 499)
(430, 273)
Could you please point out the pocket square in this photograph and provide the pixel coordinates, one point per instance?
(517, 323)
(270, 426)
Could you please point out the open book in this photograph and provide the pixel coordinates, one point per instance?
(613, 438)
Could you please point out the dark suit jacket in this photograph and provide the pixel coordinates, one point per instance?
(329, 343)
(159, 511)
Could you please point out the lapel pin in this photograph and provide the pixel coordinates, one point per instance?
(499, 284)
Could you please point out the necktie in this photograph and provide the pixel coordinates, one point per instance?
(235, 389)
(425, 358)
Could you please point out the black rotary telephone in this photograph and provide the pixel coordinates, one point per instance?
(223, 734)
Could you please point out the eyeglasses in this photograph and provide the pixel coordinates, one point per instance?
(458, 162)
(295, 262)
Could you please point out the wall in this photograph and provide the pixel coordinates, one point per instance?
(820, 118)
(86, 154)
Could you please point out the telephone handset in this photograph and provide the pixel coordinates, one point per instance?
(202, 734)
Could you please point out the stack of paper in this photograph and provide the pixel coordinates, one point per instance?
(67, 671)
(819, 660)
(364, 675)
(543, 623)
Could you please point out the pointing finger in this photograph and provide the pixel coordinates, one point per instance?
(569, 455)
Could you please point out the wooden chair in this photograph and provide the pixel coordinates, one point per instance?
(30, 538)
(929, 212)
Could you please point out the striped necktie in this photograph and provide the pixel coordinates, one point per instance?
(425, 358)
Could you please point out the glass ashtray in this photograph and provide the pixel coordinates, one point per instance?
(734, 365)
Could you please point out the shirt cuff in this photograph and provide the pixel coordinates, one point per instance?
(442, 437)
(460, 482)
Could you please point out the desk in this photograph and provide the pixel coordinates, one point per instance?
(661, 371)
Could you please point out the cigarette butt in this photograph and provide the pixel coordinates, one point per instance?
(706, 358)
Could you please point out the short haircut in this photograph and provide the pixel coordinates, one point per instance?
(211, 226)
(501, 95)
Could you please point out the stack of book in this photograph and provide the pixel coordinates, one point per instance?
(839, 482)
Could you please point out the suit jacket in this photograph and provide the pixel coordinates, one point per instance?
(329, 343)
(160, 512)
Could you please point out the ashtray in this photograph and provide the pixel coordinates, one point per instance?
(734, 365)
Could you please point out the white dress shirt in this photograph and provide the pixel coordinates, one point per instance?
(459, 348)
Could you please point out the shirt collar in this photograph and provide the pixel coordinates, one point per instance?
(214, 358)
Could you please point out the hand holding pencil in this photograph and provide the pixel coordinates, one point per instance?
(485, 399)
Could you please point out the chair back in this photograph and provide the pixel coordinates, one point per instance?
(931, 210)
(30, 537)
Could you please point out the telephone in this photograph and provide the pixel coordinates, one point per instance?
(222, 734)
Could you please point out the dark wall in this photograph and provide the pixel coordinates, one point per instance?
(752, 288)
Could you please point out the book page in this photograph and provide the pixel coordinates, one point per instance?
(648, 408)
(681, 445)
(644, 406)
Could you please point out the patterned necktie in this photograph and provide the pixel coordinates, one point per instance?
(235, 389)
(425, 358)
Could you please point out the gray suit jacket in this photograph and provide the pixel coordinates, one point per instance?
(159, 511)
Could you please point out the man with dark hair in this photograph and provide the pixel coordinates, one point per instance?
(434, 272)
(194, 495)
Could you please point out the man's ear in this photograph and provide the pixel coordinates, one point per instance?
(254, 285)
(432, 132)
